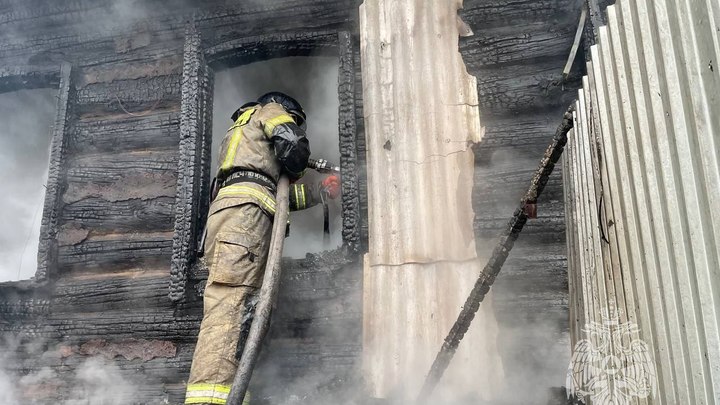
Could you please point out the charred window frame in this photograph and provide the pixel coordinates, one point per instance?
(27, 78)
(196, 131)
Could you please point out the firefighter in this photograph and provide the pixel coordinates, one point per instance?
(266, 139)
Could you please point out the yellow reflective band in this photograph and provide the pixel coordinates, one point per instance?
(207, 394)
(302, 193)
(273, 122)
(297, 197)
(206, 400)
(210, 394)
(239, 190)
(235, 138)
(209, 387)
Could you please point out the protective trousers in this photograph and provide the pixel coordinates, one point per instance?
(236, 251)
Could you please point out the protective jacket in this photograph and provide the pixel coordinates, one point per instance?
(263, 142)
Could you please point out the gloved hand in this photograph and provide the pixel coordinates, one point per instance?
(331, 186)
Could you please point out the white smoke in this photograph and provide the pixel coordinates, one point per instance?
(24, 156)
(99, 381)
(95, 381)
(8, 386)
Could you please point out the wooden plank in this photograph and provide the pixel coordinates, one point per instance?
(122, 176)
(136, 214)
(516, 44)
(516, 89)
(124, 133)
(502, 12)
(117, 252)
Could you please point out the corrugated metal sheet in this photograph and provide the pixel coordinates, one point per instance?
(421, 118)
(642, 185)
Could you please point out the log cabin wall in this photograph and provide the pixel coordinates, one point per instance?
(111, 222)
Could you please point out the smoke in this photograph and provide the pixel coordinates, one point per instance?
(94, 381)
(313, 81)
(536, 356)
(24, 155)
(8, 386)
(532, 340)
(99, 381)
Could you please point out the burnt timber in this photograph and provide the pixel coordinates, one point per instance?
(129, 147)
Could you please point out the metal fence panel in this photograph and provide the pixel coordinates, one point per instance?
(642, 177)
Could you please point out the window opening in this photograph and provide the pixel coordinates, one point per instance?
(313, 81)
(25, 139)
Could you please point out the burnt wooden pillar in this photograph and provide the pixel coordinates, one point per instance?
(348, 144)
(193, 167)
(47, 250)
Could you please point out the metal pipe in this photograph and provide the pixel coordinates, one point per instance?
(268, 296)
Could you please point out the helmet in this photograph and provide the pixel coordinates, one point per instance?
(290, 104)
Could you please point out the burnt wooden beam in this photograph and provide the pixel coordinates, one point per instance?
(140, 323)
(243, 50)
(143, 288)
(521, 88)
(360, 147)
(193, 129)
(121, 177)
(123, 132)
(142, 215)
(550, 203)
(524, 131)
(513, 44)
(138, 97)
(348, 144)
(547, 231)
(117, 252)
(503, 13)
(108, 168)
(47, 249)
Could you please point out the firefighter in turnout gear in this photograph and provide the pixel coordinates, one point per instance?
(266, 139)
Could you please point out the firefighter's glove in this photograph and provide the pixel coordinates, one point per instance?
(330, 186)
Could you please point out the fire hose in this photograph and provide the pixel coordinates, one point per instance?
(268, 296)
(500, 253)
